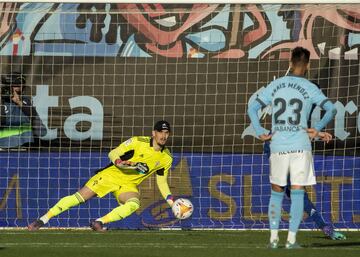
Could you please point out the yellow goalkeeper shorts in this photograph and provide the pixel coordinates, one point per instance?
(109, 181)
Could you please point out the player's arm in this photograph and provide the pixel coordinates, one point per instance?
(324, 103)
(124, 147)
(120, 157)
(330, 112)
(140, 167)
(162, 183)
(261, 101)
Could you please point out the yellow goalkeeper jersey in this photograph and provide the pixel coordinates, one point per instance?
(140, 149)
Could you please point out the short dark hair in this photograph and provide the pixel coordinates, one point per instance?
(300, 56)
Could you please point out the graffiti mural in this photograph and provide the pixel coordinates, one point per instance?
(178, 30)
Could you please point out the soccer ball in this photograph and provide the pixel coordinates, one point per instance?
(182, 208)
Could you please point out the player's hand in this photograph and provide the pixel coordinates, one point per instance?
(140, 167)
(324, 136)
(265, 137)
(313, 133)
(123, 164)
(170, 200)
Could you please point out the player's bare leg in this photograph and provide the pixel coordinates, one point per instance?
(62, 205)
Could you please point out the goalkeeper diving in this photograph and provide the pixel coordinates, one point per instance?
(132, 162)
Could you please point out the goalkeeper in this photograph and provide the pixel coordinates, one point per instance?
(310, 209)
(132, 162)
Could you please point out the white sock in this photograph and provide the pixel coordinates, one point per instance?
(274, 235)
(44, 219)
(291, 237)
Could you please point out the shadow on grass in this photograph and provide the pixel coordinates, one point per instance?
(335, 244)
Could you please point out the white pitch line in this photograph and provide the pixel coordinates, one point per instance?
(92, 233)
(127, 245)
(158, 245)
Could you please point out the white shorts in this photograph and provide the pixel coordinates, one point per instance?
(298, 164)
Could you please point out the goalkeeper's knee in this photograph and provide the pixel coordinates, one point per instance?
(133, 203)
(70, 201)
(122, 211)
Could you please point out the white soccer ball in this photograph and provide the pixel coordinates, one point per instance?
(182, 208)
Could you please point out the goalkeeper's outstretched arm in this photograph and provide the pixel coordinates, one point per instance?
(162, 183)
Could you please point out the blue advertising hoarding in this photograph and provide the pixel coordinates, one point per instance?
(227, 190)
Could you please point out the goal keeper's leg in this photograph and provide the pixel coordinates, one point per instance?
(62, 205)
(122, 211)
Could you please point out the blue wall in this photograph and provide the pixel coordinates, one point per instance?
(44, 177)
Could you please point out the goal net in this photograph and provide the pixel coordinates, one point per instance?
(98, 74)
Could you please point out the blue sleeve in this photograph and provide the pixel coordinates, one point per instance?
(264, 97)
(330, 109)
(317, 96)
(253, 109)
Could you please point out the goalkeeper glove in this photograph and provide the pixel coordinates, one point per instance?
(170, 200)
(123, 164)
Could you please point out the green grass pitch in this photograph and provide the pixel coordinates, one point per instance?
(169, 243)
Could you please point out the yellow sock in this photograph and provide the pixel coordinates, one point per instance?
(62, 205)
(122, 211)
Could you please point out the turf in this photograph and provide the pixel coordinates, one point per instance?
(68, 243)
